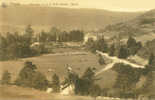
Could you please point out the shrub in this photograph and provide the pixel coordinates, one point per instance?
(101, 60)
(112, 50)
(123, 52)
(29, 77)
(127, 76)
(39, 81)
(55, 83)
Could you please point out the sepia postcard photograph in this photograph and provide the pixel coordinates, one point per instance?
(77, 49)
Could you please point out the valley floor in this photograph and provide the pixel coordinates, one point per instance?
(79, 60)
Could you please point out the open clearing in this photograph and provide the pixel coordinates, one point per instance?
(80, 60)
(19, 93)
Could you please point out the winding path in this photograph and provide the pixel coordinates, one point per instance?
(115, 60)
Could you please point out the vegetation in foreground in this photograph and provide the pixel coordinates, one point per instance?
(85, 85)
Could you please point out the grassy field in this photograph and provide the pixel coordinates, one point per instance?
(57, 62)
(79, 62)
(19, 93)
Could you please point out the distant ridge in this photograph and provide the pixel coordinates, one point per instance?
(143, 24)
(15, 18)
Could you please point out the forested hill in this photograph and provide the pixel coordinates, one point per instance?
(143, 24)
(15, 18)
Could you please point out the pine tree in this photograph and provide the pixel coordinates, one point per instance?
(123, 52)
(39, 81)
(56, 83)
(30, 77)
(28, 34)
(151, 59)
(26, 74)
(131, 42)
(6, 78)
(133, 46)
(54, 32)
(112, 50)
(29, 29)
(101, 60)
(84, 84)
(127, 77)
(101, 45)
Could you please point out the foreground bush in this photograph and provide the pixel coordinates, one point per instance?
(30, 77)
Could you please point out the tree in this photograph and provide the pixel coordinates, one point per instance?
(101, 45)
(148, 72)
(84, 83)
(43, 36)
(55, 83)
(29, 30)
(123, 52)
(89, 74)
(101, 60)
(30, 77)
(39, 81)
(6, 78)
(133, 46)
(112, 50)
(87, 80)
(14, 46)
(151, 59)
(54, 34)
(131, 42)
(28, 35)
(26, 74)
(139, 45)
(127, 77)
(91, 45)
(150, 66)
(64, 37)
(76, 35)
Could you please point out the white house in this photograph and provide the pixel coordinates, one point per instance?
(88, 36)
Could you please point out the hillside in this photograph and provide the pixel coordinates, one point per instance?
(14, 18)
(148, 48)
(143, 24)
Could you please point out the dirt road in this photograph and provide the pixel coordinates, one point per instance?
(116, 60)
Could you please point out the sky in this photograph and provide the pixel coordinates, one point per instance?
(114, 5)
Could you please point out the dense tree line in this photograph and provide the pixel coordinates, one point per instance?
(19, 45)
(115, 49)
(64, 36)
(15, 45)
(100, 44)
(125, 50)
